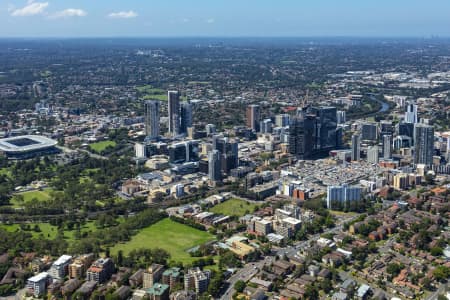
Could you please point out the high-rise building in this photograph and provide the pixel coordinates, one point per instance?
(423, 144)
(185, 117)
(411, 113)
(373, 154)
(301, 136)
(210, 129)
(341, 196)
(341, 116)
(313, 132)
(387, 146)
(151, 118)
(326, 123)
(266, 126)
(282, 120)
(184, 151)
(369, 132)
(228, 151)
(356, 147)
(386, 127)
(173, 98)
(406, 129)
(402, 141)
(214, 166)
(253, 115)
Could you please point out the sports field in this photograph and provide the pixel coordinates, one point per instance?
(100, 146)
(234, 207)
(169, 235)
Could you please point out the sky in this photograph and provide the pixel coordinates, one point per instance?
(224, 18)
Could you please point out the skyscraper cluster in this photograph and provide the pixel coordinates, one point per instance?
(179, 114)
(225, 157)
(313, 132)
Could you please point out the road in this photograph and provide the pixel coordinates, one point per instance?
(244, 274)
(251, 270)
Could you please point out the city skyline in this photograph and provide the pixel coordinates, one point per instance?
(325, 18)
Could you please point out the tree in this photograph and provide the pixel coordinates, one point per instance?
(436, 251)
(311, 292)
(441, 273)
(239, 286)
(394, 268)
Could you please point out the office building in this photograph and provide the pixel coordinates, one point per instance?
(184, 152)
(151, 118)
(282, 120)
(356, 147)
(214, 166)
(373, 154)
(325, 127)
(266, 126)
(406, 129)
(197, 280)
(402, 141)
(152, 275)
(369, 132)
(386, 128)
(411, 113)
(301, 136)
(341, 116)
(173, 98)
(229, 154)
(423, 144)
(100, 271)
(339, 197)
(60, 267)
(185, 117)
(38, 283)
(253, 115)
(387, 146)
(210, 129)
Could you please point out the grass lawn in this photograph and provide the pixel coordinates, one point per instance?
(29, 196)
(5, 171)
(341, 213)
(234, 207)
(49, 231)
(100, 146)
(169, 235)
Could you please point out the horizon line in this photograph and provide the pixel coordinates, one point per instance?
(234, 37)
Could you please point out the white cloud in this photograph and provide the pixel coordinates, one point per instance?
(210, 21)
(70, 12)
(123, 14)
(31, 9)
(185, 20)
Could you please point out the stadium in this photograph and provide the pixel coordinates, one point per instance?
(27, 146)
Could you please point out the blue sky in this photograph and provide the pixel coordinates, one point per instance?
(162, 18)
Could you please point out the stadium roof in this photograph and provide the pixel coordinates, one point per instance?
(25, 143)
